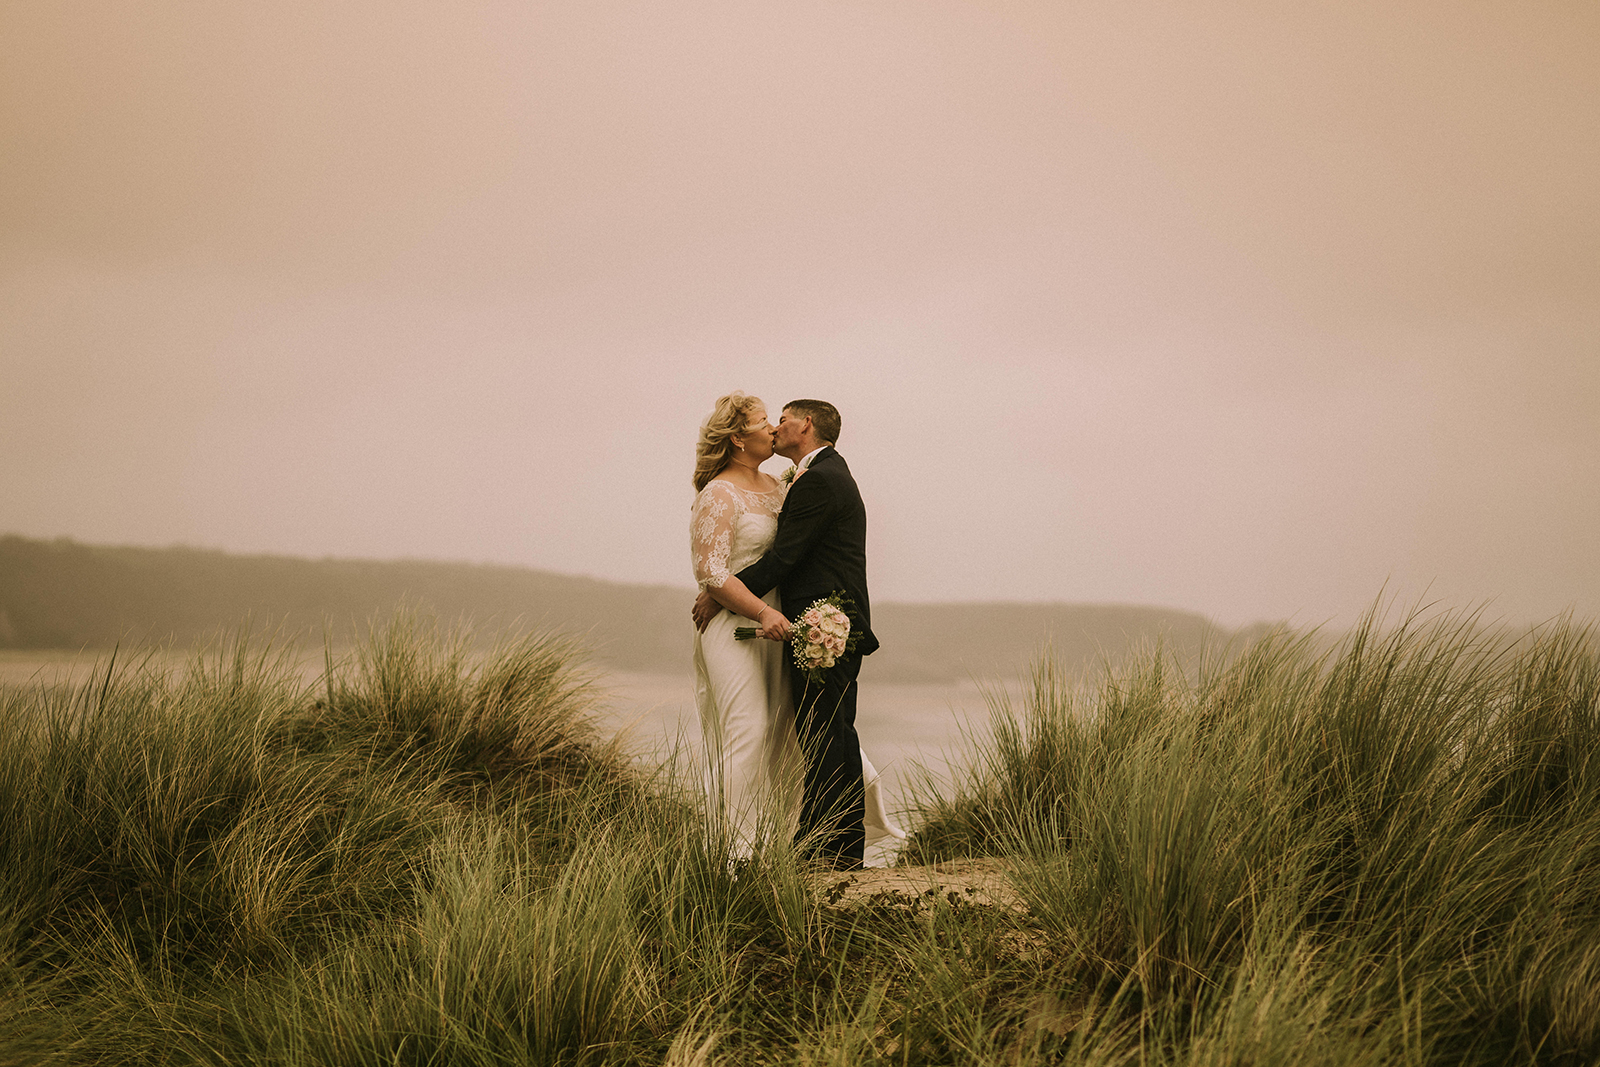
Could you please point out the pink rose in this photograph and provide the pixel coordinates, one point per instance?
(814, 636)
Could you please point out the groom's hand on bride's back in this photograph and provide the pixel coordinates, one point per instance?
(705, 609)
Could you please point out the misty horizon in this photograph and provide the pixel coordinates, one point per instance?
(1250, 312)
(1383, 605)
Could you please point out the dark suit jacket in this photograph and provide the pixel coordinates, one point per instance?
(821, 545)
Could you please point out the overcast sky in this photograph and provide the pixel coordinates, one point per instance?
(1249, 308)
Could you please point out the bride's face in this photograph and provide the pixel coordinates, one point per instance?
(757, 436)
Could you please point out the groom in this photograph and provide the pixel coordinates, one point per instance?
(820, 548)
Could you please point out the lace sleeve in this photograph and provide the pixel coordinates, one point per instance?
(711, 533)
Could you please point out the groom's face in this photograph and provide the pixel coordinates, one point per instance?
(789, 435)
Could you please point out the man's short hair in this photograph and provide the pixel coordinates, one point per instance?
(824, 417)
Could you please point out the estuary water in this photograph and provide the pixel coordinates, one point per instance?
(907, 730)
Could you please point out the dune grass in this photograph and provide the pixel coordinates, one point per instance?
(1384, 852)
(1389, 851)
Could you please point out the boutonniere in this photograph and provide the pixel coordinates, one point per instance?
(788, 476)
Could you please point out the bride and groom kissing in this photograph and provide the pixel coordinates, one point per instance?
(782, 749)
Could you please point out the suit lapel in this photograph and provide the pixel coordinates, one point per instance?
(824, 453)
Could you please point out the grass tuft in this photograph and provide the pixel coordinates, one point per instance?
(1389, 846)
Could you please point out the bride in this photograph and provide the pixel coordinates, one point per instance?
(742, 687)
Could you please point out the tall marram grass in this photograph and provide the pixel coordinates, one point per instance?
(1389, 851)
(428, 856)
(1383, 852)
(166, 836)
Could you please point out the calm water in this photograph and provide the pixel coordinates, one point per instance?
(902, 727)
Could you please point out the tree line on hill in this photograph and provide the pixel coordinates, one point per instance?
(61, 594)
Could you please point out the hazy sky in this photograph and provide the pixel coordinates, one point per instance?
(1242, 307)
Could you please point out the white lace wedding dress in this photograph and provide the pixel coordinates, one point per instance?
(754, 769)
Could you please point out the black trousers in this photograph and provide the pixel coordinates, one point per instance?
(834, 805)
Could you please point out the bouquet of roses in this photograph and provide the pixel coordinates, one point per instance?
(820, 635)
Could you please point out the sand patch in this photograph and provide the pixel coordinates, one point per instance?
(973, 881)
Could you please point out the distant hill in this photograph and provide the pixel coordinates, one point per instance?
(953, 641)
(63, 594)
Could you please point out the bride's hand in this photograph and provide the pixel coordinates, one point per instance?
(775, 628)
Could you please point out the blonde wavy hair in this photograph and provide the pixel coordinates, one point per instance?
(728, 419)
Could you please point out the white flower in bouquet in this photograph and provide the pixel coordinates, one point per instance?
(822, 634)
